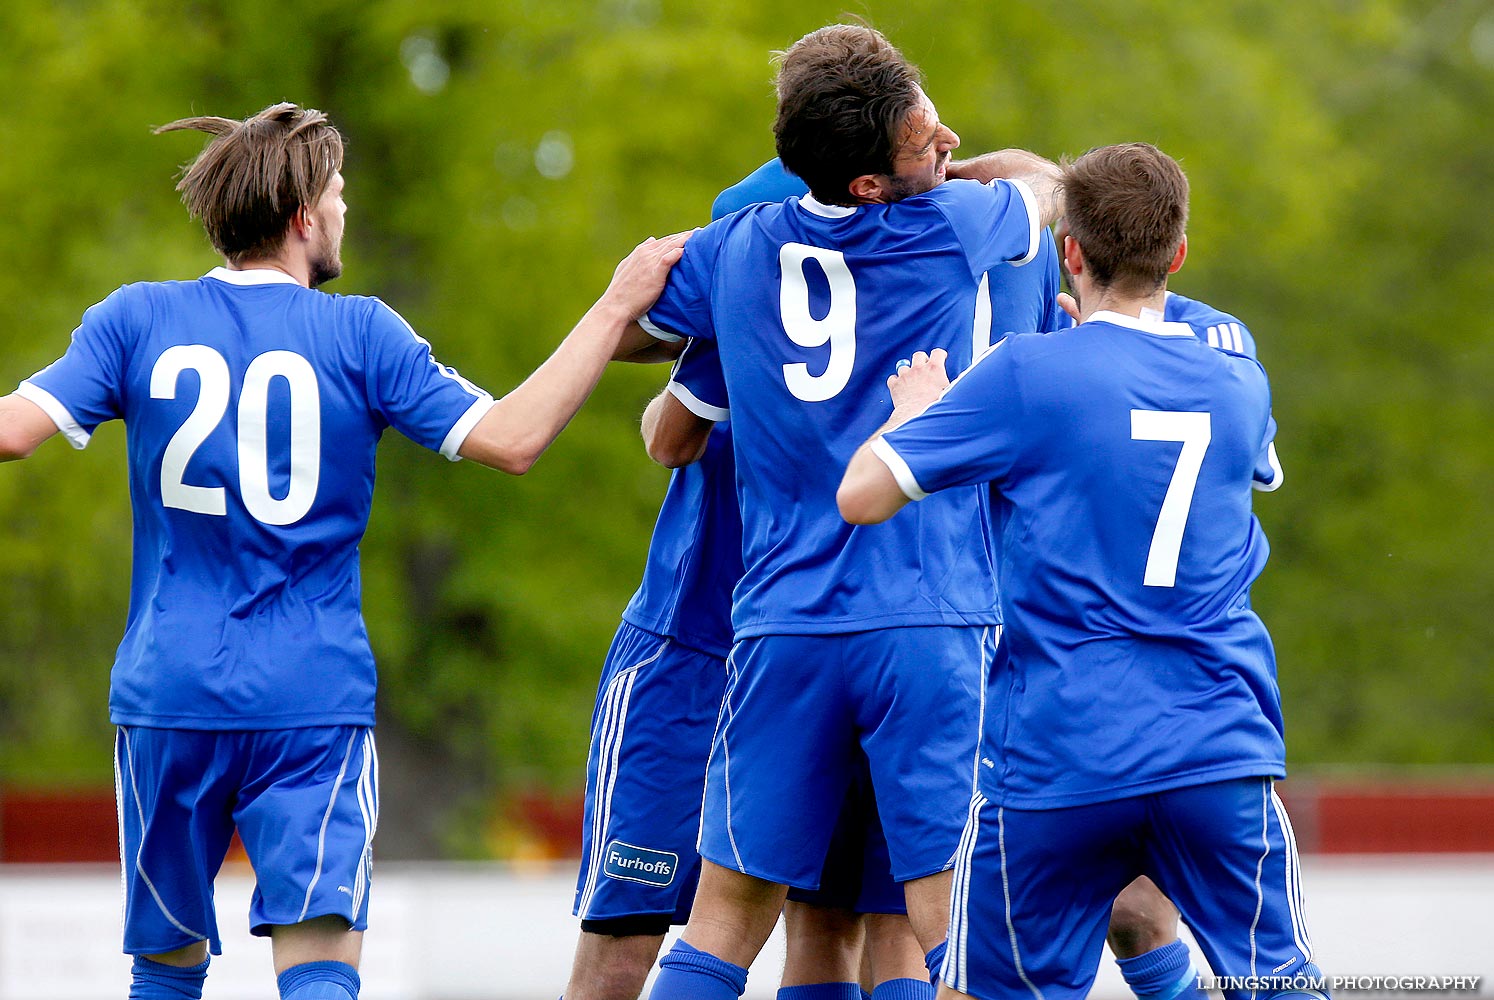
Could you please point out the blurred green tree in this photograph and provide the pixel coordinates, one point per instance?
(503, 157)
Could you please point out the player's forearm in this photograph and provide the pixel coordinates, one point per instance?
(672, 435)
(638, 346)
(1041, 175)
(1006, 164)
(868, 493)
(521, 425)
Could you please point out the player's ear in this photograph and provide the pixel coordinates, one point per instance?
(871, 189)
(1177, 258)
(1073, 256)
(301, 222)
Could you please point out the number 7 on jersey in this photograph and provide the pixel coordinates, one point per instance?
(1195, 431)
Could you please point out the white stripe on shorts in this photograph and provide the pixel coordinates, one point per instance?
(955, 970)
(123, 743)
(609, 744)
(1006, 892)
(321, 837)
(1260, 898)
(368, 805)
(725, 717)
(1293, 879)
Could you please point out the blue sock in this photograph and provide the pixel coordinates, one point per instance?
(319, 981)
(1164, 973)
(905, 989)
(821, 991)
(156, 981)
(934, 960)
(687, 973)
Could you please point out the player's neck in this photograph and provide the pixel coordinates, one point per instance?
(1150, 305)
(298, 269)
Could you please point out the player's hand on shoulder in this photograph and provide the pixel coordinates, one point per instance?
(640, 277)
(919, 381)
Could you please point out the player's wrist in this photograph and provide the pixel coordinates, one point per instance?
(612, 314)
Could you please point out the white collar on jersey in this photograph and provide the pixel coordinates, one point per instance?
(1145, 325)
(252, 276)
(814, 206)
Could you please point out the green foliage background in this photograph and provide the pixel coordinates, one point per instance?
(503, 156)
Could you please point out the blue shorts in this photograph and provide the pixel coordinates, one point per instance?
(799, 712)
(1033, 888)
(657, 705)
(305, 802)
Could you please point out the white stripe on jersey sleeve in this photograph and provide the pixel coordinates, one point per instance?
(658, 332)
(698, 406)
(899, 469)
(52, 406)
(445, 370)
(459, 430)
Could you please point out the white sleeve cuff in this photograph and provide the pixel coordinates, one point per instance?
(1034, 229)
(70, 428)
(658, 332)
(1277, 475)
(459, 430)
(698, 406)
(899, 469)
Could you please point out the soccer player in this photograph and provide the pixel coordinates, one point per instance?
(243, 689)
(1133, 724)
(657, 707)
(847, 641)
(1143, 922)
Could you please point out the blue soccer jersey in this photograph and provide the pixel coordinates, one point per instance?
(811, 306)
(1005, 307)
(252, 407)
(1219, 329)
(695, 556)
(1121, 453)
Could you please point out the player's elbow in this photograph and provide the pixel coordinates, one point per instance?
(516, 463)
(513, 463)
(514, 455)
(868, 494)
(857, 506)
(10, 450)
(674, 453)
(16, 443)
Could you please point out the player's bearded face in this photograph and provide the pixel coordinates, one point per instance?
(326, 253)
(924, 154)
(326, 260)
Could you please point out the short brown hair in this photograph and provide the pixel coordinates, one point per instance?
(844, 92)
(1127, 206)
(256, 173)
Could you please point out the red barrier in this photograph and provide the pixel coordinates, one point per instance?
(1337, 816)
(1383, 817)
(48, 826)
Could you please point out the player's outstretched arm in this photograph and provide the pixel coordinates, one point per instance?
(23, 426)
(1040, 174)
(673, 435)
(515, 432)
(869, 493)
